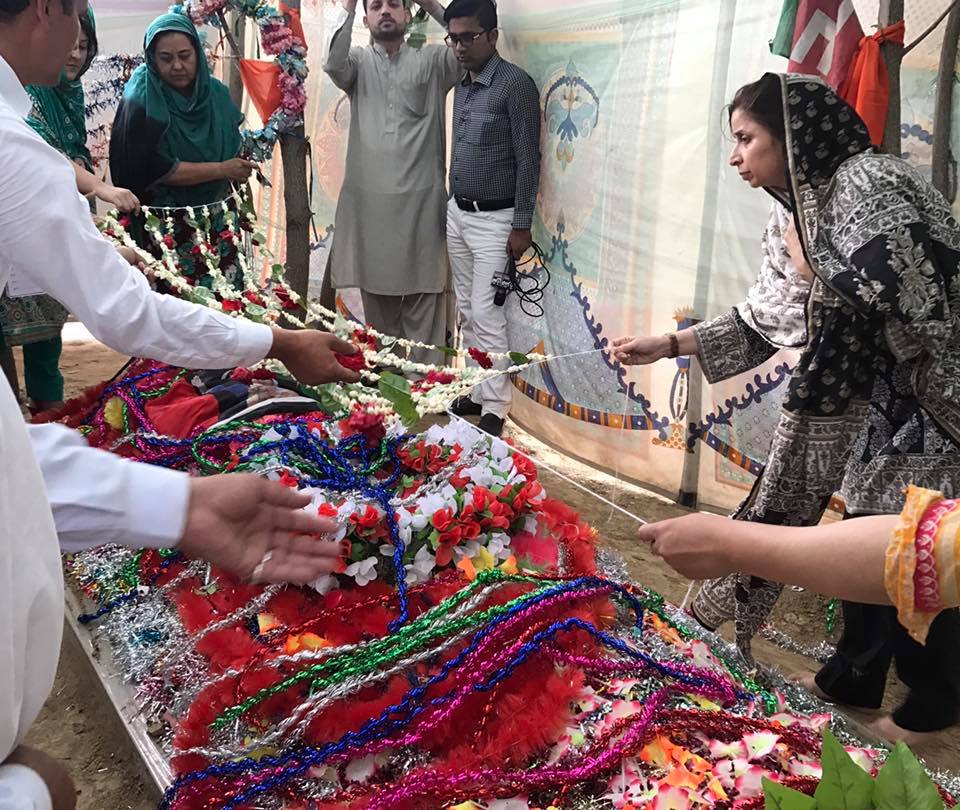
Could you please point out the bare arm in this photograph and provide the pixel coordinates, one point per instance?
(640, 351)
(432, 7)
(87, 182)
(843, 559)
(193, 174)
(120, 198)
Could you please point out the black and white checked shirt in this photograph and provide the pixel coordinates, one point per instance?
(496, 138)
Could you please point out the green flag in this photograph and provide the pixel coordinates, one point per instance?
(782, 42)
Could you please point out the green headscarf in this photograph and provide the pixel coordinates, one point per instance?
(200, 127)
(59, 113)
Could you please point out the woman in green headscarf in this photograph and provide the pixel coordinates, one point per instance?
(35, 322)
(176, 134)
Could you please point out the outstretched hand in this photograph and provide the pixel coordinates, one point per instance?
(640, 351)
(310, 356)
(699, 546)
(250, 526)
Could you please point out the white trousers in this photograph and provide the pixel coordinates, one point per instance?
(477, 245)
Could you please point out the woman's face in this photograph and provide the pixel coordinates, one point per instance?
(78, 56)
(757, 155)
(175, 58)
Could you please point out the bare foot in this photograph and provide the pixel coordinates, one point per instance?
(886, 729)
(809, 682)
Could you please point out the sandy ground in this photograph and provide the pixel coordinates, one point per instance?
(78, 724)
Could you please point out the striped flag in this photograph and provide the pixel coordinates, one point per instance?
(818, 36)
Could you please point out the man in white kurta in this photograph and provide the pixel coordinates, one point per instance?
(390, 231)
(51, 482)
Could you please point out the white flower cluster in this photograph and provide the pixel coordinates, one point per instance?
(490, 466)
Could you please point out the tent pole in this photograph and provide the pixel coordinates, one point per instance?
(689, 481)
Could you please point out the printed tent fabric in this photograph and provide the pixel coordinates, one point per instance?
(644, 225)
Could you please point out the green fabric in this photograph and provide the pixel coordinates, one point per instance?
(199, 127)
(41, 370)
(782, 42)
(32, 318)
(59, 112)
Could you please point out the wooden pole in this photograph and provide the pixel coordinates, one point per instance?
(891, 11)
(943, 111)
(231, 71)
(294, 151)
(688, 494)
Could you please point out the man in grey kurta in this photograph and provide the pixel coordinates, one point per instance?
(390, 235)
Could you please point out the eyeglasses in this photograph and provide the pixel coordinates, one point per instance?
(466, 40)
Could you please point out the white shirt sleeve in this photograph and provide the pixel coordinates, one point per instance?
(23, 789)
(49, 238)
(98, 497)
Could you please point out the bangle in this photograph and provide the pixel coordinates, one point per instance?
(674, 345)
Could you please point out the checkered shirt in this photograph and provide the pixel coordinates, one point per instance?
(496, 138)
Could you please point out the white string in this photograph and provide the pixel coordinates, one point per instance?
(686, 598)
(543, 464)
(618, 483)
(540, 463)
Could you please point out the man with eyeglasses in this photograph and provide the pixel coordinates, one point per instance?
(391, 216)
(494, 175)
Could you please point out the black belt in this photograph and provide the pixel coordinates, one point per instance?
(481, 205)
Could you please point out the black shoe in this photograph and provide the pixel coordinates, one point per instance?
(491, 423)
(464, 406)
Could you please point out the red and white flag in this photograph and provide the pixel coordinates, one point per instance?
(826, 35)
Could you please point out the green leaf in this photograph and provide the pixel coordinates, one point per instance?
(323, 395)
(396, 390)
(902, 782)
(446, 350)
(254, 312)
(152, 221)
(519, 359)
(778, 797)
(200, 295)
(277, 271)
(844, 785)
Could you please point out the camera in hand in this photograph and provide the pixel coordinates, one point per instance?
(503, 282)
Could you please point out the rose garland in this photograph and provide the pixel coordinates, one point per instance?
(278, 39)
(246, 296)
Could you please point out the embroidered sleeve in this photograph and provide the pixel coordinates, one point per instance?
(921, 576)
(727, 346)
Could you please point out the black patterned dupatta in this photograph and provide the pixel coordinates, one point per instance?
(885, 250)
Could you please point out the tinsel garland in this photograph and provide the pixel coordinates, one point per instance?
(538, 682)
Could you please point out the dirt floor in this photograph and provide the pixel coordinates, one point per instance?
(78, 724)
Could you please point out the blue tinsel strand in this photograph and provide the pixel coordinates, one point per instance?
(369, 731)
(380, 727)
